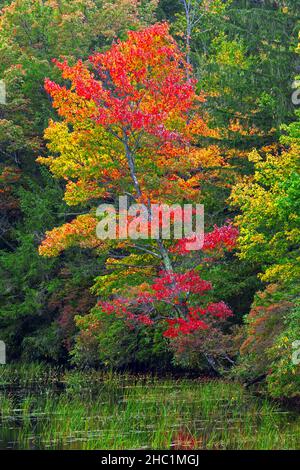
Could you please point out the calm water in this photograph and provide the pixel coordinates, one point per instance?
(51, 410)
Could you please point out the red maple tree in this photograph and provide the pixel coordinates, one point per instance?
(135, 119)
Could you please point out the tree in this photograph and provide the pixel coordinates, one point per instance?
(269, 235)
(196, 17)
(131, 127)
(269, 201)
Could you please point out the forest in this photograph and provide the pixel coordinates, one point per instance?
(182, 103)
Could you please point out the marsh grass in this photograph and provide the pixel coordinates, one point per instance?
(28, 375)
(96, 410)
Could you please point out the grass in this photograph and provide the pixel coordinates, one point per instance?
(28, 375)
(110, 411)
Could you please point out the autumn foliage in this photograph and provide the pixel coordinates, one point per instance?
(200, 111)
(131, 124)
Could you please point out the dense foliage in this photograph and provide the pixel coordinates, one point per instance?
(175, 102)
